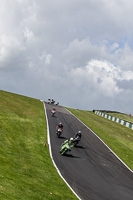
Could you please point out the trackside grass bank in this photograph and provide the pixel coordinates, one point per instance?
(116, 136)
(122, 116)
(26, 169)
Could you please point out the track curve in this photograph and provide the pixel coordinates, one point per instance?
(91, 169)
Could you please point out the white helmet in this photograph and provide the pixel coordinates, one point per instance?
(79, 133)
(71, 139)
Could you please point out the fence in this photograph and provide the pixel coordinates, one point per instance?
(115, 119)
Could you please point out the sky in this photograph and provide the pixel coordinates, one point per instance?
(78, 52)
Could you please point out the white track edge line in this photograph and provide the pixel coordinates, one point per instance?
(102, 142)
(49, 144)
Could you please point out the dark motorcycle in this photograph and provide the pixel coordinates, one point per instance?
(76, 140)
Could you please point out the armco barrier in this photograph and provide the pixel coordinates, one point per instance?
(115, 119)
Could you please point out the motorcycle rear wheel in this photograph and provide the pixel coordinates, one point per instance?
(58, 135)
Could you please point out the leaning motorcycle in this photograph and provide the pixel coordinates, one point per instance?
(65, 148)
(59, 132)
(76, 141)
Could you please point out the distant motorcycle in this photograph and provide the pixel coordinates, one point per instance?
(66, 146)
(52, 101)
(53, 112)
(59, 132)
(49, 101)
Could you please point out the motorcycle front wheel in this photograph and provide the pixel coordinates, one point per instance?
(64, 151)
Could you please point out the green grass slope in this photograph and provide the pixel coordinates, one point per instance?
(117, 137)
(26, 169)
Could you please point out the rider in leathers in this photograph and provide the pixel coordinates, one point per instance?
(60, 125)
(69, 141)
(78, 136)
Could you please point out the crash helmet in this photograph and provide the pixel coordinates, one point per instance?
(79, 133)
(53, 108)
(71, 139)
(60, 124)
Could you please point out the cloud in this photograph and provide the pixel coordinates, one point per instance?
(99, 84)
(46, 58)
(29, 35)
(82, 48)
(102, 76)
(10, 49)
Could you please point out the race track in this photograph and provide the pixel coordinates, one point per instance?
(91, 169)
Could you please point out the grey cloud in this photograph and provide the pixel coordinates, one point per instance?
(50, 43)
(126, 84)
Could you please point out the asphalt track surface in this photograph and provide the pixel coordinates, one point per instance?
(91, 169)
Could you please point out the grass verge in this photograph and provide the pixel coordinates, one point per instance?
(122, 116)
(26, 169)
(116, 136)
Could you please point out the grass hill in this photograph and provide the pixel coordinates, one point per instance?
(26, 169)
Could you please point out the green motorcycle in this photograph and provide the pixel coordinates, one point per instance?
(66, 146)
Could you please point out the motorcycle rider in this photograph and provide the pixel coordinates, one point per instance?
(53, 111)
(78, 136)
(66, 146)
(49, 101)
(60, 125)
(59, 129)
(52, 101)
(69, 141)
